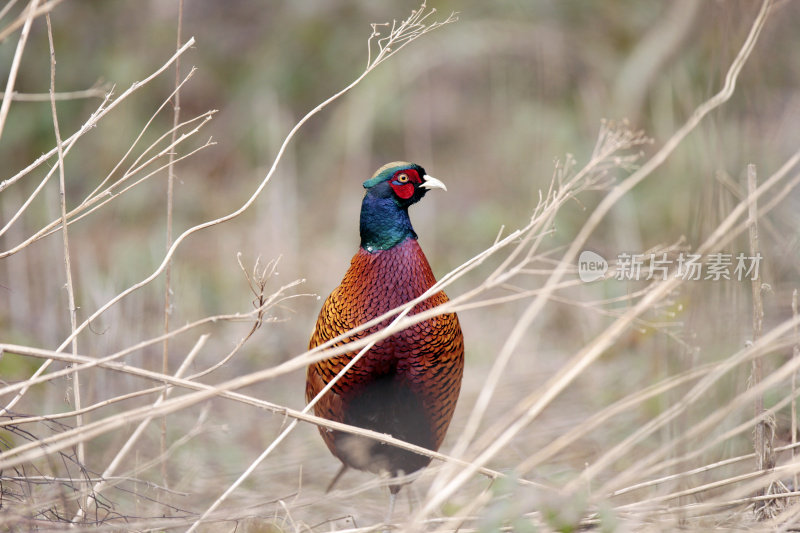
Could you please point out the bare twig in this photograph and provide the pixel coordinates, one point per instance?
(31, 451)
(105, 107)
(69, 143)
(695, 471)
(12, 74)
(99, 198)
(137, 163)
(62, 190)
(23, 18)
(176, 111)
(94, 92)
(708, 425)
(6, 8)
(128, 446)
(763, 461)
(278, 297)
(796, 355)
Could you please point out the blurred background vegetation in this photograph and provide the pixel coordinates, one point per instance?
(487, 105)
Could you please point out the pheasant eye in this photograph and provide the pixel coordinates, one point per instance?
(402, 178)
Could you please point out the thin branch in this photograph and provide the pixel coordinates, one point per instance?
(12, 74)
(6, 8)
(771, 341)
(176, 111)
(131, 442)
(95, 362)
(62, 190)
(757, 372)
(31, 451)
(795, 355)
(693, 472)
(94, 92)
(22, 20)
(133, 145)
(99, 198)
(106, 106)
(102, 199)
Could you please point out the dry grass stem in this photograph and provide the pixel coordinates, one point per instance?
(105, 107)
(176, 110)
(94, 92)
(137, 433)
(796, 355)
(38, 11)
(62, 189)
(12, 75)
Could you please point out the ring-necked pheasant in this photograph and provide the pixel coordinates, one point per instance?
(407, 384)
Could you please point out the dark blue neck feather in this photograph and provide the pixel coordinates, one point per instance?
(384, 224)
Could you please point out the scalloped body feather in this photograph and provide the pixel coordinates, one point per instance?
(407, 385)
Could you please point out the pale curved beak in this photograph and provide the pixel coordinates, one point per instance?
(432, 183)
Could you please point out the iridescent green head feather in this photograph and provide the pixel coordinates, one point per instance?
(387, 170)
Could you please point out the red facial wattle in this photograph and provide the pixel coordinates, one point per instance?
(403, 183)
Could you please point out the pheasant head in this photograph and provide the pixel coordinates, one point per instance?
(384, 211)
